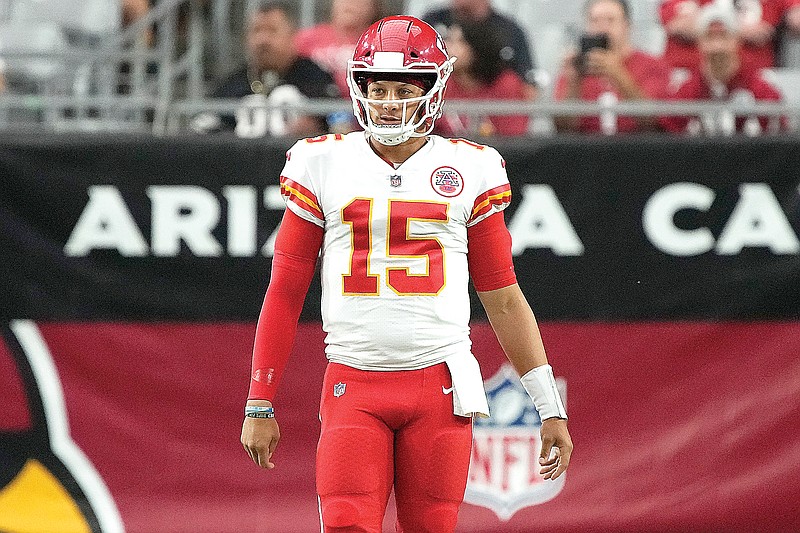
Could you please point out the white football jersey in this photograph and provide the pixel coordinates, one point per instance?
(394, 257)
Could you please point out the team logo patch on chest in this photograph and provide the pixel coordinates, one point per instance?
(447, 182)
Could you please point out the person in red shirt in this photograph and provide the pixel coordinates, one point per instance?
(722, 75)
(619, 72)
(758, 20)
(481, 74)
(792, 16)
(331, 44)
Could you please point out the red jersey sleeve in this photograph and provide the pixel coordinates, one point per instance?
(296, 250)
(690, 90)
(668, 9)
(489, 257)
(655, 78)
(560, 90)
(772, 11)
(509, 86)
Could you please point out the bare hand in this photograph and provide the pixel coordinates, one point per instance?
(569, 66)
(606, 63)
(555, 439)
(260, 436)
(758, 34)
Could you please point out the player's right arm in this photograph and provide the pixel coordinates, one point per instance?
(296, 250)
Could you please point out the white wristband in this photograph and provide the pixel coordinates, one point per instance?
(541, 387)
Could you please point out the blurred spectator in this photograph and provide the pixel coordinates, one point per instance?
(792, 16)
(722, 75)
(679, 18)
(2, 75)
(331, 44)
(133, 10)
(757, 21)
(515, 50)
(480, 73)
(607, 75)
(275, 74)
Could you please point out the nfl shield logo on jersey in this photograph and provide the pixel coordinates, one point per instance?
(338, 389)
(504, 469)
(395, 180)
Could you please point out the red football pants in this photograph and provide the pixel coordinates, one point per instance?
(391, 428)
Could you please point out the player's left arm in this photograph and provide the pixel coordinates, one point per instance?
(492, 272)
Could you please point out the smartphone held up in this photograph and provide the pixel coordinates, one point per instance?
(587, 43)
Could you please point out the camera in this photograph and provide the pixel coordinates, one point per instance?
(587, 42)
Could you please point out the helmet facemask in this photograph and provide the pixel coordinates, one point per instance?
(421, 121)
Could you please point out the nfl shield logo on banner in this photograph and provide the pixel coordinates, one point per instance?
(338, 389)
(504, 469)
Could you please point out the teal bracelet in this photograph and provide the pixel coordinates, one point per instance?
(263, 414)
(258, 411)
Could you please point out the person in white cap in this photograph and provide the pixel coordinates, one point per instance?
(721, 75)
(758, 21)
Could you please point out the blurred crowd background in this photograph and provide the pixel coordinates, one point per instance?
(257, 68)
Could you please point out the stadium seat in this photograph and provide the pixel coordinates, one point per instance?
(550, 42)
(31, 38)
(89, 17)
(538, 13)
(649, 37)
(5, 10)
(787, 81)
(790, 53)
(645, 11)
(417, 8)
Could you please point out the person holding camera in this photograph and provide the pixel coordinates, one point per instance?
(608, 69)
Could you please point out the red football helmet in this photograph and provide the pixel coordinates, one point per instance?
(405, 49)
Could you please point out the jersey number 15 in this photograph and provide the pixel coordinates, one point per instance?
(400, 243)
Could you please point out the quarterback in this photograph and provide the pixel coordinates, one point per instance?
(400, 221)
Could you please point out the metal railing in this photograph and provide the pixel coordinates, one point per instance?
(119, 82)
(181, 112)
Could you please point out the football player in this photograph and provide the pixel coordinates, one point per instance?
(403, 219)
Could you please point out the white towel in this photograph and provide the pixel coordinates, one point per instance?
(469, 396)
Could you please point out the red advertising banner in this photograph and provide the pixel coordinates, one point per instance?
(135, 427)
